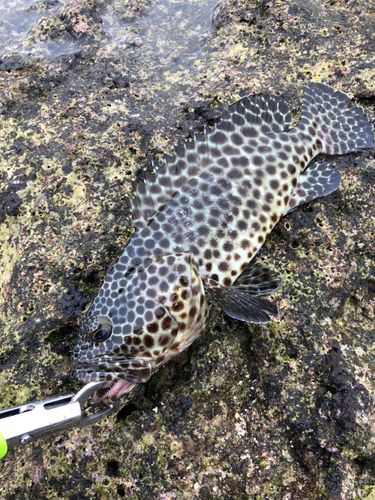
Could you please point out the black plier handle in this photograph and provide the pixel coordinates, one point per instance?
(24, 423)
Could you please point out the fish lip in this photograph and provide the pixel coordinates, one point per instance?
(85, 372)
(111, 391)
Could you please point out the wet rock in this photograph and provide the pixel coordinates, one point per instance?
(82, 20)
(73, 301)
(131, 9)
(11, 63)
(345, 398)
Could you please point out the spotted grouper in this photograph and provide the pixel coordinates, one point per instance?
(200, 220)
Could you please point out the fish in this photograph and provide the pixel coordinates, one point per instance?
(200, 219)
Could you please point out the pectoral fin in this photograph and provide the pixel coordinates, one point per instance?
(240, 300)
(257, 279)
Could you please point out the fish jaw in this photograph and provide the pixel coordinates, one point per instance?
(111, 392)
(115, 387)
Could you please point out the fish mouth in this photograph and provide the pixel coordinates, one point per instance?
(111, 392)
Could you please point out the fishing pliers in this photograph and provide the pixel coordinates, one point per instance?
(22, 424)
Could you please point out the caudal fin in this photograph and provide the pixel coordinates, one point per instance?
(328, 125)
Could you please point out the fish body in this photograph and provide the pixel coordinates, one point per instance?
(200, 220)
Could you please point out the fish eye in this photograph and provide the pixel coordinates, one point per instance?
(103, 330)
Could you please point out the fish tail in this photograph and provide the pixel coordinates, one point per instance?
(332, 128)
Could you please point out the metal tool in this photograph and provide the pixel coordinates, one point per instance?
(24, 423)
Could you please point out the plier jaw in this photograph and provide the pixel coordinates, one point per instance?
(24, 423)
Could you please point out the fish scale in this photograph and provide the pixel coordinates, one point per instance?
(200, 220)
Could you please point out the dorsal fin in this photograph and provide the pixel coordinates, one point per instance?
(161, 185)
(249, 117)
(264, 112)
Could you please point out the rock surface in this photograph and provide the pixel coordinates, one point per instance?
(91, 91)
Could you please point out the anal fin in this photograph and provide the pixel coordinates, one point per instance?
(319, 179)
(240, 300)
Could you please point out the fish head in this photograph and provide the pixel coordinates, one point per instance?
(139, 322)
